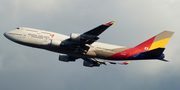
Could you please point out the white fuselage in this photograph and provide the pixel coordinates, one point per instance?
(51, 41)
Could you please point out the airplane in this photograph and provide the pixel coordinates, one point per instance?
(84, 46)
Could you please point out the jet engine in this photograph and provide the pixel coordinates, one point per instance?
(75, 37)
(91, 63)
(79, 37)
(55, 43)
(84, 37)
(66, 58)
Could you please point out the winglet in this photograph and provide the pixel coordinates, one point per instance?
(110, 23)
(125, 63)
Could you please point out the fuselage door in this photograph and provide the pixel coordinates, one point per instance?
(24, 34)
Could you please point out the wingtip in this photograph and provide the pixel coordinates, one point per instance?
(110, 23)
(125, 63)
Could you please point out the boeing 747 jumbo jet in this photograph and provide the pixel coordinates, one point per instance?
(84, 45)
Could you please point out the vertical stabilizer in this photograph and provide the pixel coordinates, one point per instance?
(158, 41)
(161, 40)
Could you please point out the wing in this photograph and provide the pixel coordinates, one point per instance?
(92, 62)
(91, 36)
(80, 42)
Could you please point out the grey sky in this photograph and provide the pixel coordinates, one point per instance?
(26, 68)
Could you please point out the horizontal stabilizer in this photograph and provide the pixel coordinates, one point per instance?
(155, 52)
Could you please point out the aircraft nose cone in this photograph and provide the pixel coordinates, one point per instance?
(6, 35)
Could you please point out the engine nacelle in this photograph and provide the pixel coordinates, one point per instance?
(65, 58)
(91, 64)
(55, 43)
(83, 37)
(75, 37)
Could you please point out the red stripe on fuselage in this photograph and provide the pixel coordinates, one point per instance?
(131, 51)
(122, 55)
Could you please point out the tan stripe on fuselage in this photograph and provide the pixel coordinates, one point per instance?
(105, 54)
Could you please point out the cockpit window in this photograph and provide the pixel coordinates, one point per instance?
(17, 28)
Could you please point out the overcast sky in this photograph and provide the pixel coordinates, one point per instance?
(26, 68)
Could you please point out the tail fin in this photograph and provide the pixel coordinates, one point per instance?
(158, 41)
